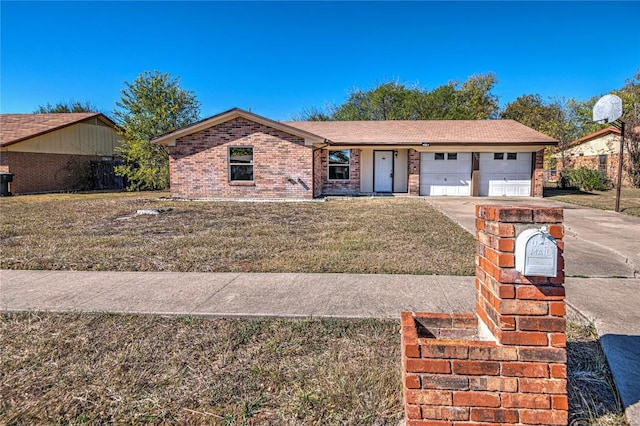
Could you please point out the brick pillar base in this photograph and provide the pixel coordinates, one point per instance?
(506, 363)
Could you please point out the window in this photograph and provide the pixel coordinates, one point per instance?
(452, 156)
(602, 165)
(512, 155)
(240, 163)
(439, 156)
(602, 160)
(339, 164)
(498, 156)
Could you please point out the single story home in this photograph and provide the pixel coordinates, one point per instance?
(238, 154)
(57, 152)
(599, 150)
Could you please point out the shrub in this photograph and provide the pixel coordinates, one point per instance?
(587, 179)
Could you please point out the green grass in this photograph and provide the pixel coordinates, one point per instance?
(127, 369)
(603, 200)
(103, 232)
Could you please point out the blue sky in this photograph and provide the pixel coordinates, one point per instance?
(278, 58)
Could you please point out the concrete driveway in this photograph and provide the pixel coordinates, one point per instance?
(602, 266)
(598, 243)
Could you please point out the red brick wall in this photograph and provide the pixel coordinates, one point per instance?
(452, 376)
(593, 162)
(4, 162)
(414, 172)
(340, 187)
(538, 174)
(317, 172)
(37, 172)
(282, 163)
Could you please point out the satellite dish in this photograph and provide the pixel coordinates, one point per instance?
(607, 109)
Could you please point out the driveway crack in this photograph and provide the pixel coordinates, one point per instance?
(215, 293)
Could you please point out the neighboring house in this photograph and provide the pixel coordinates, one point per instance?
(57, 152)
(597, 151)
(237, 154)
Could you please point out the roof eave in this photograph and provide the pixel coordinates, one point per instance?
(449, 143)
(62, 126)
(170, 139)
(594, 135)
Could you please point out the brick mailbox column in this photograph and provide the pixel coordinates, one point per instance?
(505, 363)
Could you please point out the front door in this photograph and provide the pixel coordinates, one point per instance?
(382, 171)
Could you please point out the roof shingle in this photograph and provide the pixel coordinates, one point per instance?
(424, 131)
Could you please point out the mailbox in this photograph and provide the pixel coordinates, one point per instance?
(536, 253)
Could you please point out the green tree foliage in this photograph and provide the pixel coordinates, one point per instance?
(576, 118)
(154, 104)
(587, 179)
(630, 95)
(632, 149)
(555, 117)
(475, 99)
(470, 100)
(66, 106)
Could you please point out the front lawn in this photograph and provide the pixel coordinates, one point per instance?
(129, 369)
(125, 369)
(103, 232)
(603, 200)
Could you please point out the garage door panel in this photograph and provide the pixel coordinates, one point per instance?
(511, 178)
(445, 177)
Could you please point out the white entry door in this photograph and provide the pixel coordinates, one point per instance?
(445, 173)
(383, 171)
(505, 174)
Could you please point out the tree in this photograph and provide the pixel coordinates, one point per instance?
(630, 95)
(387, 101)
(66, 106)
(554, 118)
(557, 117)
(632, 149)
(471, 100)
(311, 114)
(154, 104)
(475, 98)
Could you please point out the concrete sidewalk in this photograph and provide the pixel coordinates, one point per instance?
(604, 246)
(231, 294)
(611, 303)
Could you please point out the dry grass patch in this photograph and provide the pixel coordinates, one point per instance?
(593, 398)
(121, 369)
(126, 369)
(603, 200)
(102, 232)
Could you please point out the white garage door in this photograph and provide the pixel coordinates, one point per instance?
(505, 174)
(445, 173)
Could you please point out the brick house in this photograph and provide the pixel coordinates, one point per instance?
(599, 150)
(238, 154)
(52, 152)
